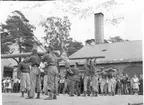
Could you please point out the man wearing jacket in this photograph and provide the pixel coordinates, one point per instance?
(51, 71)
(35, 81)
(23, 73)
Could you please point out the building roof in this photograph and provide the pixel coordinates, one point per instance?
(129, 51)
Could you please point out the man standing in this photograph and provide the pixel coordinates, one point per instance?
(102, 82)
(125, 84)
(52, 72)
(73, 79)
(15, 85)
(61, 85)
(141, 85)
(135, 84)
(87, 78)
(95, 84)
(35, 61)
(24, 70)
(81, 83)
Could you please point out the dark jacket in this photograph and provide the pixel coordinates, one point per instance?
(50, 59)
(24, 67)
(35, 60)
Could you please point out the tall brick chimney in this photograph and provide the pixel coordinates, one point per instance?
(99, 28)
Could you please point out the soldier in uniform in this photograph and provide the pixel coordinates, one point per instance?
(95, 84)
(35, 80)
(24, 70)
(111, 86)
(73, 79)
(94, 80)
(51, 71)
(77, 78)
(81, 83)
(102, 82)
(87, 78)
(106, 85)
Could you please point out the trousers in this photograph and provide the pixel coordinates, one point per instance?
(86, 82)
(25, 81)
(34, 82)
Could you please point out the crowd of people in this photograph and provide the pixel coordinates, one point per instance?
(89, 83)
(121, 85)
(10, 85)
(100, 85)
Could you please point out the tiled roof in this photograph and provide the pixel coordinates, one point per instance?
(129, 51)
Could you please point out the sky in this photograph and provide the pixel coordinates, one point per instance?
(82, 28)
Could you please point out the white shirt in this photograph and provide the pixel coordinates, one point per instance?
(62, 80)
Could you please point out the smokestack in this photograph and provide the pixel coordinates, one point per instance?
(99, 28)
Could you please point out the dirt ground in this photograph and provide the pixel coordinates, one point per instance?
(15, 99)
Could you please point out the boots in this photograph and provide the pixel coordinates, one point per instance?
(102, 93)
(96, 94)
(110, 93)
(84, 93)
(55, 96)
(93, 93)
(28, 93)
(113, 93)
(29, 97)
(38, 95)
(55, 93)
(50, 96)
(22, 94)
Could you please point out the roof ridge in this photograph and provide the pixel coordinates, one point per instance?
(114, 43)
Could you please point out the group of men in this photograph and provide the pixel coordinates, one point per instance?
(90, 81)
(30, 74)
(93, 81)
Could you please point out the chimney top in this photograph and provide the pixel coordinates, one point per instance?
(100, 13)
(99, 28)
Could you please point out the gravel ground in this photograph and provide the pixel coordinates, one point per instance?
(15, 99)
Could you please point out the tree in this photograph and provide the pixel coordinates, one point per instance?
(73, 47)
(92, 41)
(19, 32)
(85, 8)
(116, 39)
(89, 41)
(5, 46)
(111, 39)
(57, 32)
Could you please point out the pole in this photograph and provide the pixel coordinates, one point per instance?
(6, 56)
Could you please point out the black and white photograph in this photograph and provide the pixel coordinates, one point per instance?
(71, 52)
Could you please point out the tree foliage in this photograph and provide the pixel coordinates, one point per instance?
(110, 40)
(89, 41)
(116, 39)
(73, 47)
(19, 32)
(57, 32)
(4, 44)
(58, 36)
(86, 8)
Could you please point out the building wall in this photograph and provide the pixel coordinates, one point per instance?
(123, 68)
